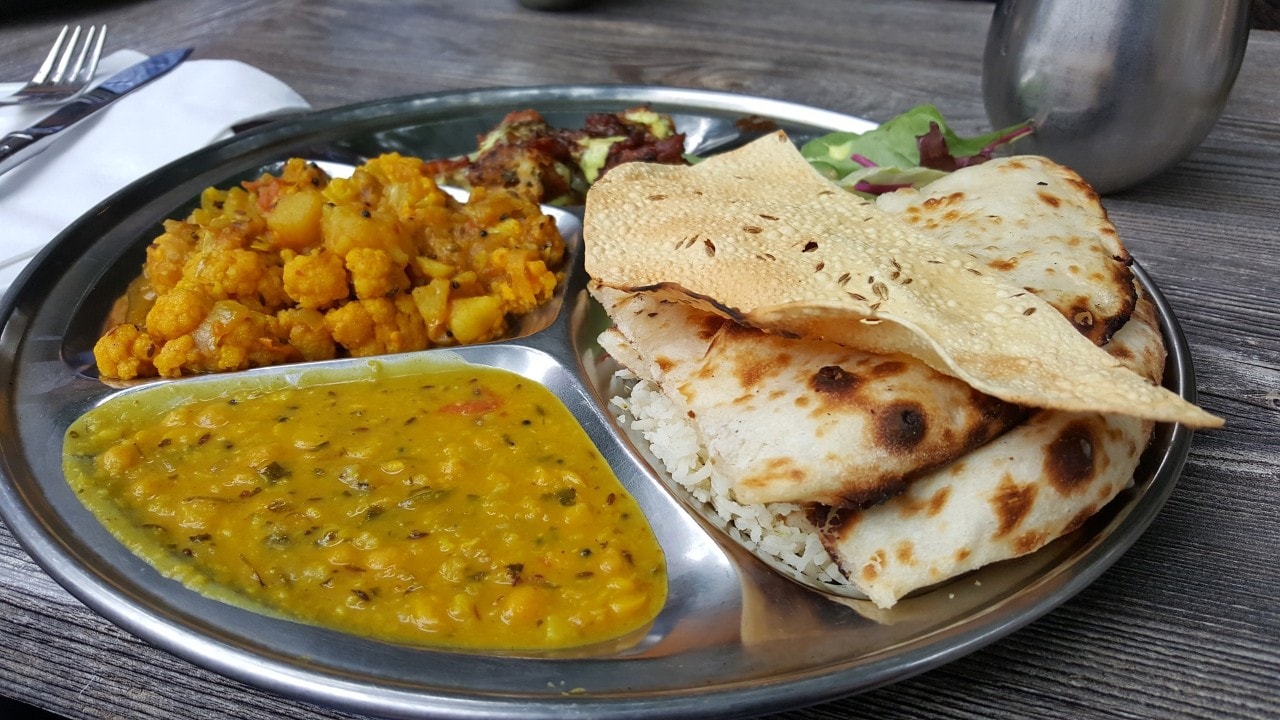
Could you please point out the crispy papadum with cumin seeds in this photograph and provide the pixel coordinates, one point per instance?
(757, 235)
(799, 420)
(1036, 224)
(1006, 499)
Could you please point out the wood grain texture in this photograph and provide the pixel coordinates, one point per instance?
(1186, 624)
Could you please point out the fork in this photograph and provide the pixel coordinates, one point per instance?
(66, 80)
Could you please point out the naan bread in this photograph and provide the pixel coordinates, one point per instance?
(798, 420)
(1008, 498)
(758, 236)
(848, 427)
(1037, 225)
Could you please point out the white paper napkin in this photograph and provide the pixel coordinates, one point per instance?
(190, 107)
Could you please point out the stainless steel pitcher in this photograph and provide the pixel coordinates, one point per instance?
(1119, 90)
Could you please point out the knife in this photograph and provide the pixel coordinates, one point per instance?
(21, 145)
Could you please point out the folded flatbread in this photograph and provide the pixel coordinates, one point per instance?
(799, 420)
(1037, 225)
(1006, 499)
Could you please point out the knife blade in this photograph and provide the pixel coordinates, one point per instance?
(21, 145)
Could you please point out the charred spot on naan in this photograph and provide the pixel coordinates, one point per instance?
(756, 369)
(1070, 461)
(833, 381)
(712, 325)
(905, 552)
(1030, 541)
(904, 426)
(781, 471)
(1012, 503)
(994, 413)
(889, 368)
(901, 426)
(874, 566)
(928, 507)
(836, 523)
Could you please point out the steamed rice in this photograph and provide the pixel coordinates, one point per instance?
(778, 531)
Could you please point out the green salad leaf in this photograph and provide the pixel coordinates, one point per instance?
(910, 150)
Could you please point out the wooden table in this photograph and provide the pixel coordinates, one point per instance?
(1186, 624)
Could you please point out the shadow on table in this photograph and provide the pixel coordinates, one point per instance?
(16, 709)
(70, 10)
(1265, 13)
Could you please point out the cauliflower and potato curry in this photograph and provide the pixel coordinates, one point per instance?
(300, 266)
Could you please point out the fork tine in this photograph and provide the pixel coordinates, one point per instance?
(84, 53)
(66, 55)
(82, 72)
(43, 73)
(97, 54)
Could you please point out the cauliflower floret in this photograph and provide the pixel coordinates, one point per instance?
(375, 274)
(227, 274)
(125, 352)
(178, 312)
(378, 325)
(316, 280)
(306, 330)
(403, 184)
(351, 326)
(271, 295)
(168, 253)
(178, 354)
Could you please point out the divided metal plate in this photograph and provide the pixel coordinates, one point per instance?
(735, 637)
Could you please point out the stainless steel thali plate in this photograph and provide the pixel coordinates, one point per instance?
(734, 639)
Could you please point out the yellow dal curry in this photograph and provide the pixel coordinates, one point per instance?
(463, 507)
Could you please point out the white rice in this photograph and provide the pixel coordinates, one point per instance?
(773, 531)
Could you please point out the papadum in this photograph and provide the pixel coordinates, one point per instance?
(758, 236)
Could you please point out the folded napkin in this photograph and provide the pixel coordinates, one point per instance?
(190, 107)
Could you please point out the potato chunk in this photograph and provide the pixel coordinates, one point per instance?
(294, 222)
(476, 319)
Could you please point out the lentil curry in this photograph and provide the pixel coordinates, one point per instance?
(463, 507)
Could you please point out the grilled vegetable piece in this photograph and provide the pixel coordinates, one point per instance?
(527, 155)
